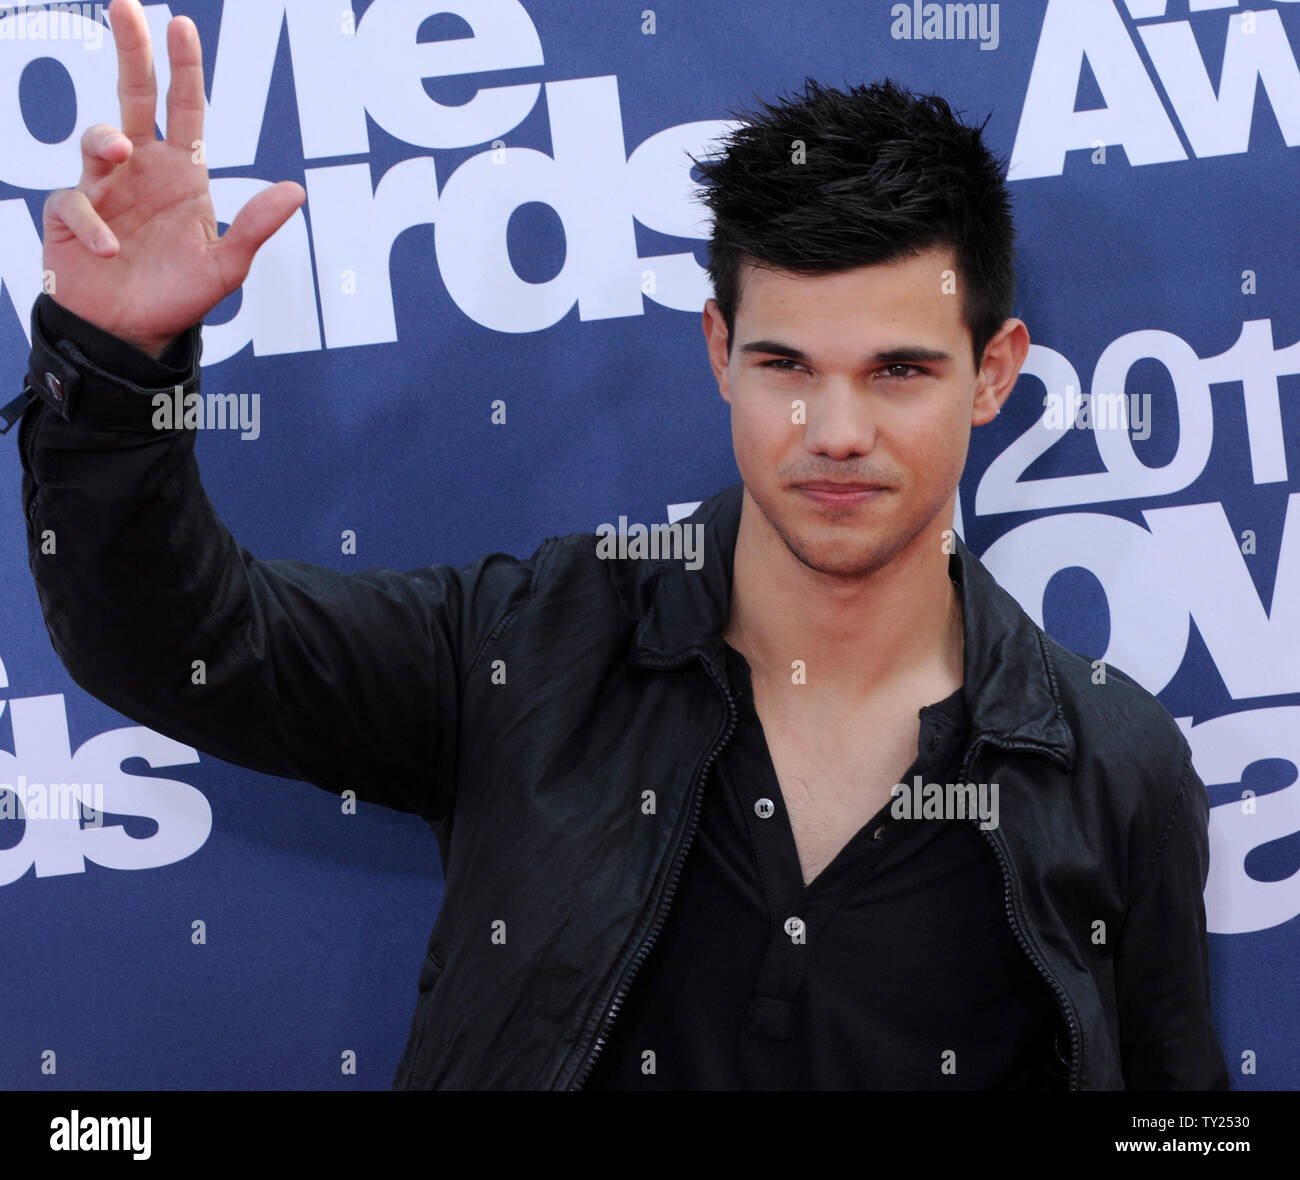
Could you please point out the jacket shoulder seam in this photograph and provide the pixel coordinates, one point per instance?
(542, 559)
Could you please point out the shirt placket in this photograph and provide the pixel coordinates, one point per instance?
(798, 913)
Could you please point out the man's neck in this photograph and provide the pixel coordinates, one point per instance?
(897, 629)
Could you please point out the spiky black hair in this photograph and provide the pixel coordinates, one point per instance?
(885, 174)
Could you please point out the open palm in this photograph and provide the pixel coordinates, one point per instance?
(134, 247)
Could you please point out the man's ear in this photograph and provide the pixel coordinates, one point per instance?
(715, 333)
(1003, 357)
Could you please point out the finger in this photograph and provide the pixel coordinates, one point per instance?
(253, 224)
(70, 208)
(185, 94)
(103, 148)
(137, 91)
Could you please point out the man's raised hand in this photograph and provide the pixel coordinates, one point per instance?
(134, 247)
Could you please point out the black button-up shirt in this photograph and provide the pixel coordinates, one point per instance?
(895, 968)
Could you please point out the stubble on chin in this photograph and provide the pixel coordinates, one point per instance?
(833, 559)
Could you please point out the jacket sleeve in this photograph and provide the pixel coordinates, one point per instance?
(344, 680)
(1167, 1038)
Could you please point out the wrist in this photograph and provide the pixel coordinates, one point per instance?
(145, 362)
(90, 377)
(154, 348)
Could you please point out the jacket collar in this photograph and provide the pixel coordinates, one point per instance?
(1009, 686)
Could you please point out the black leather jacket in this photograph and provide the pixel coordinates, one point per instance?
(528, 708)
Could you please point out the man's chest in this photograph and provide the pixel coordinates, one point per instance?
(834, 782)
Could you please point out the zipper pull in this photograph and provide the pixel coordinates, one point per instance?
(14, 410)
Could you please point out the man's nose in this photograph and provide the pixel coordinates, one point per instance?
(840, 421)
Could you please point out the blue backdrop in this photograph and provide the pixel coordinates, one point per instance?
(483, 329)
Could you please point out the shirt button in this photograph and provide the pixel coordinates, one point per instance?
(55, 386)
(878, 833)
(764, 808)
(794, 926)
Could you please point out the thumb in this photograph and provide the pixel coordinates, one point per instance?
(260, 217)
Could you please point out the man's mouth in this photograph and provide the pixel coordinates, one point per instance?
(836, 494)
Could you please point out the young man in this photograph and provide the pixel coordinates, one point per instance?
(674, 852)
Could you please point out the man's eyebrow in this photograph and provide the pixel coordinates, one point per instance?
(906, 354)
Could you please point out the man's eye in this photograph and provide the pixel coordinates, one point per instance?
(900, 372)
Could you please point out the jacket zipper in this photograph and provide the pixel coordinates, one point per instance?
(644, 949)
(1062, 997)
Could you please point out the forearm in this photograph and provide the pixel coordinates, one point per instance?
(124, 547)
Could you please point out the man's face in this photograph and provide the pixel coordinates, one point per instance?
(852, 397)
